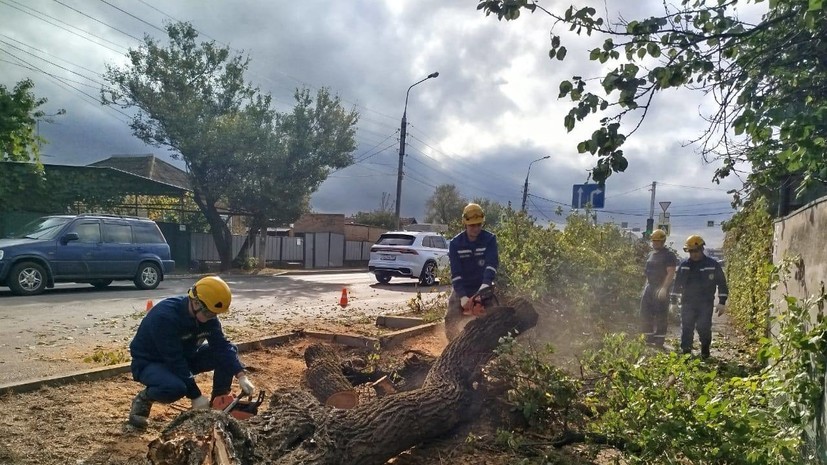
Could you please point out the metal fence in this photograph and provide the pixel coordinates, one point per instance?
(314, 250)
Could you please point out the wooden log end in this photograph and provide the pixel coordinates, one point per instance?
(343, 400)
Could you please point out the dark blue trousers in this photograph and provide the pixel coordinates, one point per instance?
(696, 316)
(164, 386)
(654, 316)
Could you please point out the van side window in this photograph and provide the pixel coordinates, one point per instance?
(440, 242)
(147, 233)
(88, 232)
(117, 233)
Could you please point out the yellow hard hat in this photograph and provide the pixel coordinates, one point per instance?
(658, 235)
(213, 292)
(473, 214)
(693, 242)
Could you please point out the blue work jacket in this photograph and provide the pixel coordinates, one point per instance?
(168, 334)
(696, 282)
(473, 263)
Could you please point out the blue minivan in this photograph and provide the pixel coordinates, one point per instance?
(94, 249)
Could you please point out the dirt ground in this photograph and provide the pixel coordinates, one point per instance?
(84, 423)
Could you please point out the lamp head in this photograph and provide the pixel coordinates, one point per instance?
(433, 75)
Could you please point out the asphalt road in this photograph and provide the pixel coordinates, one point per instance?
(52, 333)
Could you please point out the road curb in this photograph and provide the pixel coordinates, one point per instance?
(97, 374)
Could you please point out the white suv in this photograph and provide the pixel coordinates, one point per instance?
(408, 254)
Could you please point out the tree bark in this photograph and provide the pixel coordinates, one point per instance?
(324, 374)
(297, 429)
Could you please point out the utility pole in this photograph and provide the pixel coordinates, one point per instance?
(402, 133)
(525, 186)
(650, 222)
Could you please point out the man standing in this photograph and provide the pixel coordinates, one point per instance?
(654, 305)
(474, 259)
(697, 279)
(179, 338)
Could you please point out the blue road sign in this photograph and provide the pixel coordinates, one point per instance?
(588, 194)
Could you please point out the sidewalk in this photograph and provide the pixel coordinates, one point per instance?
(266, 272)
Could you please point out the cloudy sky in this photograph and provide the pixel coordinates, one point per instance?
(479, 125)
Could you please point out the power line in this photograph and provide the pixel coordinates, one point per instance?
(97, 20)
(67, 30)
(133, 16)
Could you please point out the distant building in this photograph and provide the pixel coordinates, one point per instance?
(148, 166)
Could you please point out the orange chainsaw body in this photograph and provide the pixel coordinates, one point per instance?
(242, 409)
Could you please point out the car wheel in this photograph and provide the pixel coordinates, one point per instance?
(383, 278)
(27, 278)
(101, 283)
(428, 276)
(148, 277)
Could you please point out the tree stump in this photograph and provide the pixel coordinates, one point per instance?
(297, 429)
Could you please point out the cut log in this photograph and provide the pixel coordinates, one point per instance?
(325, 378)
(297, 429)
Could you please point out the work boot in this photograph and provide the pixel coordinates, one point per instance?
(704, 353)
(139, 414)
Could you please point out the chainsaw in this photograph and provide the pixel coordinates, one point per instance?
(236, 406)
(476, 303)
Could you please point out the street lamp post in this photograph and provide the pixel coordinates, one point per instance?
(525, 187)
(402, 133)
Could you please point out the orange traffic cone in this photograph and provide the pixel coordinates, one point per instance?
(343, 299)
(149, 305)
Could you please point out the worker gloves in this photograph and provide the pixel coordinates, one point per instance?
(200, 403)
(720, 308)
(463, 301)
(246, 386)
(663, 294)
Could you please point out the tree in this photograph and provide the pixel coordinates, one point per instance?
(18, 122)
(384, 217)
(275, 185)
(768, 80)
(445, 205)
(193, 99)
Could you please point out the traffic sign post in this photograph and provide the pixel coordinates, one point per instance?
(584, 195)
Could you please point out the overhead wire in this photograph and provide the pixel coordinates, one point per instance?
(65, 29)
(98, 21)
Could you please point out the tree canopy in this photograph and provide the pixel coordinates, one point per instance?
(767, 77)
(444, 205)
(192, 98)
(18, 122)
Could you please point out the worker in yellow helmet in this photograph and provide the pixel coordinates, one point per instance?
(654, 304)
(474, 258)
(697, 280)
(179, 338)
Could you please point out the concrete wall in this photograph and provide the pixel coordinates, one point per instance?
(803, 233)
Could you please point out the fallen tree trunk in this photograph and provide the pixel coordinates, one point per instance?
(325, 379)
(297, 429)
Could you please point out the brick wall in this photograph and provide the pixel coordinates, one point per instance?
(320, 222)
(362, 232)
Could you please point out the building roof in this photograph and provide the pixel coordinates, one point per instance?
(147, 166)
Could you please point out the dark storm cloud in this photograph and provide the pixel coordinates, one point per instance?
(492, 110)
